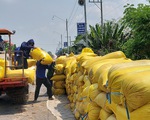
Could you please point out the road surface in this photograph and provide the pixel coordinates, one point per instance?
(29, 111)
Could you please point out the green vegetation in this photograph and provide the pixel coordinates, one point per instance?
(130, 34)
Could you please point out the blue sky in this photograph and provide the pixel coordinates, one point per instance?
(33, 18)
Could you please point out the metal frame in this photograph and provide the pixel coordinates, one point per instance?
(16, 81)
(9, 83)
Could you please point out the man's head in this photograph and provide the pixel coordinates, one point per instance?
(31, 42)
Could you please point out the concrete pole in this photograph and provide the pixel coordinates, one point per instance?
(101, 4)
(85, 17)
(61, 41)
(67, 35)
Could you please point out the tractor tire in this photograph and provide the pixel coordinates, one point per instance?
(19, 95)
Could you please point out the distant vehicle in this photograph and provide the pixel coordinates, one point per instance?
(16, 88)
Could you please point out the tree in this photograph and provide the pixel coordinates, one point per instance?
(138, 19)
(111, 39)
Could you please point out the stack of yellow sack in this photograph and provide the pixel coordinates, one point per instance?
(76, 82)
(29, 73)
(58, 84)
(106, 87)
(59, 77)
(83, 89)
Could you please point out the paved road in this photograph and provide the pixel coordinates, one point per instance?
(29, 111)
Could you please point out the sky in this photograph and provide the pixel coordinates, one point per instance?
(45, 20)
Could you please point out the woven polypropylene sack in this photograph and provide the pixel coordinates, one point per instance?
(1, 72)
(136, 89)
(39, 54)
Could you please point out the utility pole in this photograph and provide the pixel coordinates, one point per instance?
(101, 9)
(67, 35)
(86, 37)
(67, 30)
(83, 2)
(61, 41)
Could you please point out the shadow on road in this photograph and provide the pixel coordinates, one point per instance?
(8, 107)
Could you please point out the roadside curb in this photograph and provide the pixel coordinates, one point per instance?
(59, 107)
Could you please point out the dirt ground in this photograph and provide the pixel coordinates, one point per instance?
(29, 111)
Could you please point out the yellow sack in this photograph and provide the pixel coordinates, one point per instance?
(80, 82)
(77, 114)
(80, 107)
(121, 113)
(59, 84)
(114, 82)
(90, 61)
(103, 115)
(86, 81)
(94, 67)
(101, 100)
(85, 92)
(105, 67)
(2, 62)
(1, 72)
(70, 97)
(39, 54)
(93, 112)
(58, 77)
(60, 60)
(141, 113)
(59, 91)
(75, 88)
(101, 74)
(73, 66)
(116, 69)
(86, 104)
(87, 50)
(111, 107)
(112, 117)
(113, 55)
(31, 62)
(103, 77)
(59, 69)
(30, 74)
(85, 54)
(72, 106)
(136, 89)
(93, 91)
(86, 58)
(117, 54)
(67, 65)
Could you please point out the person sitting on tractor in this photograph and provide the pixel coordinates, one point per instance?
(1, 43)
(25, 48)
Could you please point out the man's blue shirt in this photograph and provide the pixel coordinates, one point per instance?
(41, 69)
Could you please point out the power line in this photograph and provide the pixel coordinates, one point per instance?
(72, 10)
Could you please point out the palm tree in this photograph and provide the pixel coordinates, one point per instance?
(108, 39)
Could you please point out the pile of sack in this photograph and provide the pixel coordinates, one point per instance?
(109, 87)
(59, 77)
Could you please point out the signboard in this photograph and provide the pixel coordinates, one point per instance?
(80, 28)
(65, 44)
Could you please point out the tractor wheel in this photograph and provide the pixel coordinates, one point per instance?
(19, 95)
